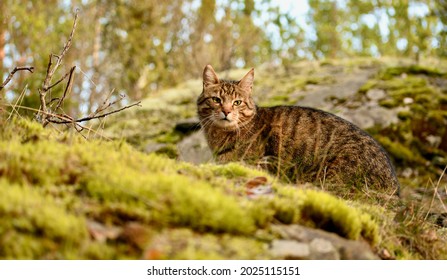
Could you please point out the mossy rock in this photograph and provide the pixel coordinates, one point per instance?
(391, 72)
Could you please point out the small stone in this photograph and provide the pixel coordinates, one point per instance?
(151, 148)
(434, 140)
(323, 249)
(408, 100)
(290, 249)
(375, 94)
(101, 232)
(385, 255)
(258, 191)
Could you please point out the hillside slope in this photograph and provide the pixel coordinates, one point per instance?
(65, 197)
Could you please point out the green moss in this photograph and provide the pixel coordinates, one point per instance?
(417, 88)
(329, 213)
(320, 80)
(370, 229)
(388, 103)
(24, 130)
(405, 115)
(169, 150)
(438, 117)
(35, 224)
(170, 137)
(370, 84)
(391, 72)
(398, 151)
(34, 211)
(233, 170)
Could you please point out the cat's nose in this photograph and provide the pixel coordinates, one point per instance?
(226, 112)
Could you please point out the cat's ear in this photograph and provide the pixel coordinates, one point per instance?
(247, 81)
(209, 76)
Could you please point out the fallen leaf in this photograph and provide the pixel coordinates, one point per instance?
(256, 182)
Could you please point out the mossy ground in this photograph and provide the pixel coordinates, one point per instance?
(420, 94)
(55, 186)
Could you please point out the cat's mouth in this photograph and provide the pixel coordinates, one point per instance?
(225, 122)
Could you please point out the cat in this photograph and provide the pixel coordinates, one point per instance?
(303, 144)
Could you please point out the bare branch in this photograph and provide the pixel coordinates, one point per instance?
(67, 88)
(46, 85)
(48, 113)
(8, 79)
(93, 117)
(107, 103)
(62, 78)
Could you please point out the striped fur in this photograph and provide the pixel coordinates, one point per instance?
(300, 143)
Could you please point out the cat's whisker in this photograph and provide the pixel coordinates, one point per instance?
(205, 122)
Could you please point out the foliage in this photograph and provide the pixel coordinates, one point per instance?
(137, 47)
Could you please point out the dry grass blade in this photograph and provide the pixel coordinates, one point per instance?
(435, 194)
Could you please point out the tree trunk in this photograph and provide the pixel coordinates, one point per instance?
(2, 54)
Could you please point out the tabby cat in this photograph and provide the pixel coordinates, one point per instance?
(303, 144)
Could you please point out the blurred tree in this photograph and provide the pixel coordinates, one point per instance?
(34, 31)
(136, 47)
(325, 17)
(439, 10)
(361, 36)
(3, 26)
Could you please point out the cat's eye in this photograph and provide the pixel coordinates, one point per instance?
(216, 99)
(237, 102)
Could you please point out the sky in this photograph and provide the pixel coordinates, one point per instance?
(297, 7)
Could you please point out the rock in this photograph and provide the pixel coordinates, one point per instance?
(376, 94)
(366, 117)
(101, 232)
(385, 255)
(194, 149)
(153, 147)
(322, 244)
(188, 126)
(434, 140)
(408, 100)
(290, 249)
(322, 249)
(346, 86)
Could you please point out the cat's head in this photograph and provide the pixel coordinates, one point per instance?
(226, 104)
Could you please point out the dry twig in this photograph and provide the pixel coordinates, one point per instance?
(47, 114)
(8, 79)
(63, 118)
(46, 85)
